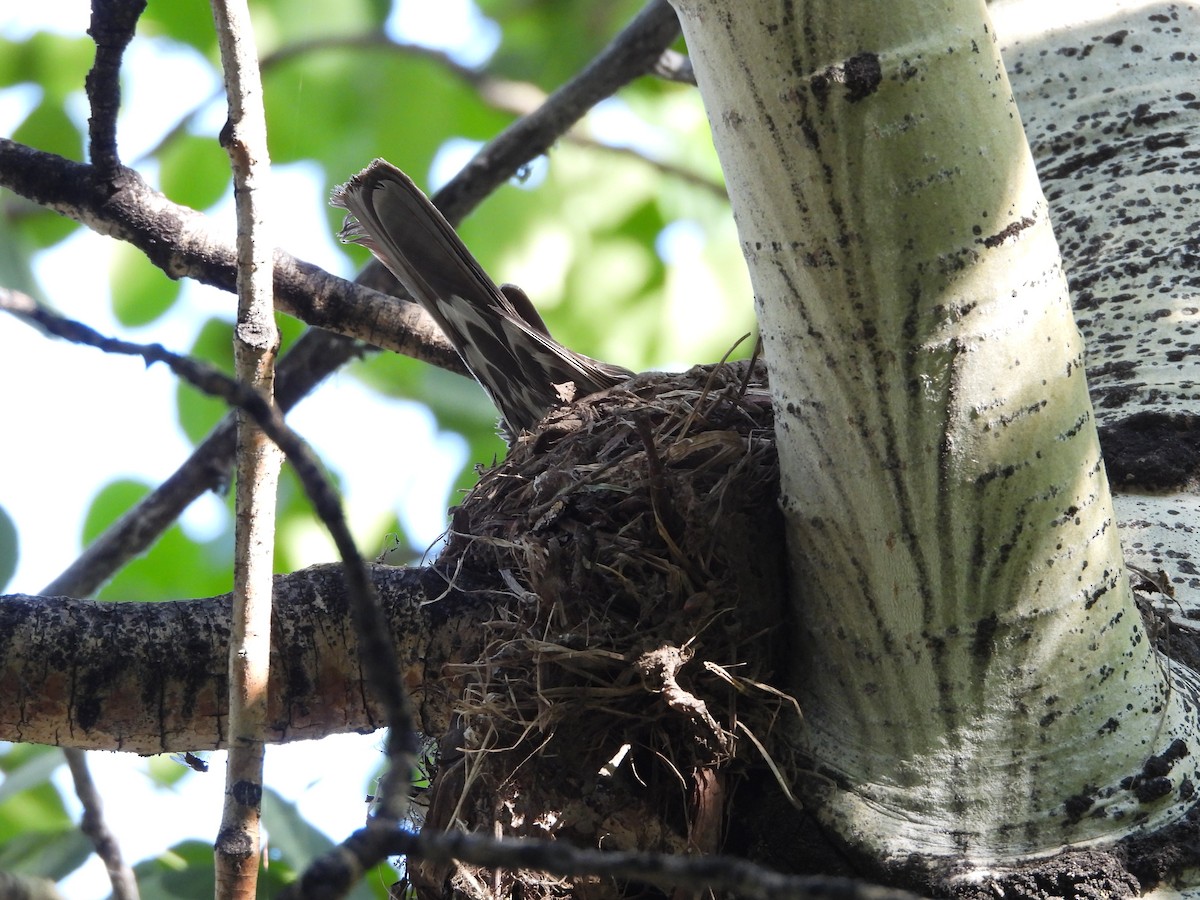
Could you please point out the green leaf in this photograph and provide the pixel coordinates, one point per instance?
(295, 838)
(298, 842)
(35, 809)
(37, 837)
(16, 252)
(173, 567)
(46, 854)
(198, 412)
(110, 504)
(278, 23)
(27, 766)
(390, 374)
(461, 405)
(49, 128)
(404, 110)
(45, 228)
(141, 292)
(296, 522)
(55, 62)
(548, 43)
(9, 549)
(188, 23)
(185, 870)
(194, 170)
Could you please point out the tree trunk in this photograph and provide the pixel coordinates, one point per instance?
(964, 619)
(1110, 105)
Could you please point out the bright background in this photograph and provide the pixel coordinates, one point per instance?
(650, 263)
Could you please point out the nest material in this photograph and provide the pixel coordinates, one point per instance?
(636, 545)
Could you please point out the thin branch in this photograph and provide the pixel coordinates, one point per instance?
(256, 342)
(124, 884)
(112, 26)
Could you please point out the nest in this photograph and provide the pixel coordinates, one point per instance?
(636, 547)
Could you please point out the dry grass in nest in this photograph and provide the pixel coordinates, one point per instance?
(637, 539)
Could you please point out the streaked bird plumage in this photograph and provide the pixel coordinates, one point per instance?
(497, 331)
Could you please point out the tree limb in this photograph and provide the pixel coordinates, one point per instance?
(255, 345)
(112, 28)
(149, 677)
(120, 875)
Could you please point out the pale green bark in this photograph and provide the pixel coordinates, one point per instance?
(972, 658)
(1108, 95)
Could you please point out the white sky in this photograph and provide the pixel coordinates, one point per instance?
(75, 420)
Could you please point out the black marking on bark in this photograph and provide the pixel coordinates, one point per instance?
(1010, 231)
(1162, 763)
(1076, 806)
(861, 76)
(1152, 451)
(247, 793)
(984, 644)
(1152, 789)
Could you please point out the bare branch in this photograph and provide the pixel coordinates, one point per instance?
(120, 875)
(148, 677)
(112, 27)
(256, 342)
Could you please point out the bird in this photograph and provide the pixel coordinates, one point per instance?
(497, 331)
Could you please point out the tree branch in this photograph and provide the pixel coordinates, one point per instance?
(112, 26)
(120, 875)
(149, 677)
(255, 344)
